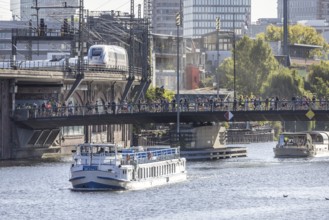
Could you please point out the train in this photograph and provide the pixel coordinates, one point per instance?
(108, 56)
(55, 64)
(100, 57)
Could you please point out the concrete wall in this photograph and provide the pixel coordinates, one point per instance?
(5, 123)
(209, 136)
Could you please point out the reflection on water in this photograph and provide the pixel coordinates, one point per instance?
(238, 188)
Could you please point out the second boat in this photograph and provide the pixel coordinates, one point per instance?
(303, 144)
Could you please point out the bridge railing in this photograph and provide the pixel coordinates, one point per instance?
(129, 108)
(45, 65)
(64, 66)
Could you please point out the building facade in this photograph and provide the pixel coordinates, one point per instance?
(198, 20)
(21, 9)
(305, 10)
(200, 16)
(31, 50)
(164, 16)
(165, 61)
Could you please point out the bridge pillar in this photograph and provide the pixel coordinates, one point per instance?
(5, 122)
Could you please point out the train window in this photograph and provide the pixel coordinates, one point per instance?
(96, 51)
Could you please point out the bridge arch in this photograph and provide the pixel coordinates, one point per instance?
(78, 100)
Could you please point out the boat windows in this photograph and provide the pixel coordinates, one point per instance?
(318, 139)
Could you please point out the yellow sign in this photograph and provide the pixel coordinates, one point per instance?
(310, 114)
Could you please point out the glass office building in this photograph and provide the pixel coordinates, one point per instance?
(305, 10)
(164, 16)
(200, 16)
(21, 10)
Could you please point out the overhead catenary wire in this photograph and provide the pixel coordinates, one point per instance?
(112, 28)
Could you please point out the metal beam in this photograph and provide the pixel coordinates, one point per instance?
(77, 82)
(167, 117)
(285, 31)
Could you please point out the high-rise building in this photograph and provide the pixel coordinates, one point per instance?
(200, 16)
(22, 9)
(164, 16)
(305, 10)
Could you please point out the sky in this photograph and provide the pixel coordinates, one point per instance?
(259, 8)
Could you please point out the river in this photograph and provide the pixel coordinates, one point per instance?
(240, 188)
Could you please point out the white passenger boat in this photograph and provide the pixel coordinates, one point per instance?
(109, 167)
(303, 144)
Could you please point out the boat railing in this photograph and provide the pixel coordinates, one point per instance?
(150, 155)
(292, 145)
(128, 157)
(103, 158)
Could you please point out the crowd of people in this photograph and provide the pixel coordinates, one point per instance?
(242, 103)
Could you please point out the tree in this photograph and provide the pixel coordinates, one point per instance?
(254, 62)
(272, 33)
(154, 94)
(226, 76)
(283, 83)
(318, 78)
(298, 34)
(207, 81)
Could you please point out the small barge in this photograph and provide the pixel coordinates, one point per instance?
(214, 153)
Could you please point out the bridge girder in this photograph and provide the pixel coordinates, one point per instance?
(170, 117)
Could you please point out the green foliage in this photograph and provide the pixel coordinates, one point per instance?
(201, 84)
(318, 78)
(254, 62)
(298, 34)
(274, 33)
(277, 127)
(226, 76)
(208, 81)
(283, 83)
(168, 95)
(155, 94)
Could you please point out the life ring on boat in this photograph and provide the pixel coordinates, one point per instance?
(149, 155)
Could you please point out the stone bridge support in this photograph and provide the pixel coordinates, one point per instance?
(6, 125)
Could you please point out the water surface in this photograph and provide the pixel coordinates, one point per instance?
(238, 188)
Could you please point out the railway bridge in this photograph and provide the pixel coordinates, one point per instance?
(86, 101)
(23, 87)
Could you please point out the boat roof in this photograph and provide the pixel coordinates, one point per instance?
(97, 145)
(294, 133)
(324, 134)
(304, 132)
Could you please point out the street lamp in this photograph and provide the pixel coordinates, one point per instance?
(234, 71)
(217, 48)
(178, 24)
(285, 32)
